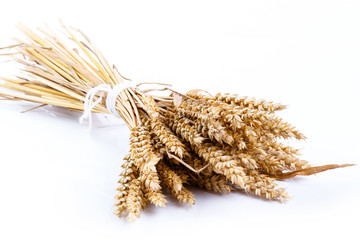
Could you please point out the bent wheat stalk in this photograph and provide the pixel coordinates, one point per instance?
(220, 143)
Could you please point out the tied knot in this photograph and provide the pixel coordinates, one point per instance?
(111, 96)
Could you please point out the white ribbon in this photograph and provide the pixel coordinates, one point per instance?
(112, 94)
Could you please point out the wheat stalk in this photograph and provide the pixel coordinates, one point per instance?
(220, 143)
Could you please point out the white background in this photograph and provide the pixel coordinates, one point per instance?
(57, 180)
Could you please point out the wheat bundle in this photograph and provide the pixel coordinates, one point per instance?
(219, 142)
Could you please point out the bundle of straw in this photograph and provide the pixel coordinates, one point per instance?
(219, 142)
